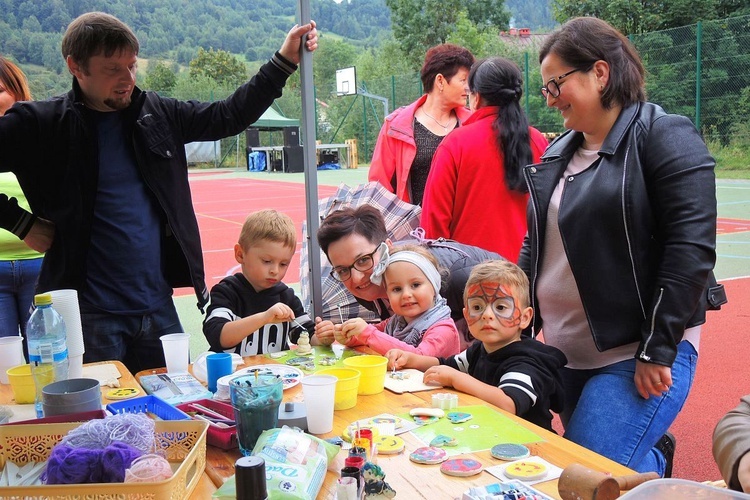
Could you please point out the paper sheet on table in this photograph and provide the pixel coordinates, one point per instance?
(412, 382)
(484, 430)
(103, 373)
(553, 471)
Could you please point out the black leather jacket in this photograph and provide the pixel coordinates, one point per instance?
(52, 148)
(638, 227)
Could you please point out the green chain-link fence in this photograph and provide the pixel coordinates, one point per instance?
(701, 71)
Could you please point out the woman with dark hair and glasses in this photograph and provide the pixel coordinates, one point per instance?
(411, 134)
(476, 193)
(351, 238)
(620, 248)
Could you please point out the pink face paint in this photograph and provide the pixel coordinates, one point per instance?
(498, 298)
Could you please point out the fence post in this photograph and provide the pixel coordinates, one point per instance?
(364, 121)
(526, 82)
(393, 91)
(698, 68)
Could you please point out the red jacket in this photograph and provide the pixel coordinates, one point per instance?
(395, 150)
(466, 198)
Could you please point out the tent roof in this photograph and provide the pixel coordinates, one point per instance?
(272, 120)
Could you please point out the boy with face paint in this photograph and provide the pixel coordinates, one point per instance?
(513, 372)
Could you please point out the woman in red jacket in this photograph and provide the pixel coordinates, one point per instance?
(476, 193)
(410, 135)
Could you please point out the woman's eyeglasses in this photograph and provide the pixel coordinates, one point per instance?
(552, 87)
(362, 264)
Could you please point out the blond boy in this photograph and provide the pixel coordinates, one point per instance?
(504, 368)
(253, 312)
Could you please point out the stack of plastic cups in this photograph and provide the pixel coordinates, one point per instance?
(65, 302)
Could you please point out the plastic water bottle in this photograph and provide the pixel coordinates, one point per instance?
(48, 350)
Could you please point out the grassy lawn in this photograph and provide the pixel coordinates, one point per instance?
(732, 162)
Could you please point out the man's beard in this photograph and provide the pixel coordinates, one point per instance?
(118, 104)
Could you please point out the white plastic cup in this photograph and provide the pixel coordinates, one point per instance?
(319, 392)
(75, 366)
(65, 302)
(11, 354)
(176, 351)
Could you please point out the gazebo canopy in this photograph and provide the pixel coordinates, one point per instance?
(272, 120)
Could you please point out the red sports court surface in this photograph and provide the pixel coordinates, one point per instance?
(221, 206)
(722, 375)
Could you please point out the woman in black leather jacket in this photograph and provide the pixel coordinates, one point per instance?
(621, 242)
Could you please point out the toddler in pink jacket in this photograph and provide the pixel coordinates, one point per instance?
(421, 322)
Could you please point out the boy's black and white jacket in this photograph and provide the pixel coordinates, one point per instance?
(528, 371)
(234, 298)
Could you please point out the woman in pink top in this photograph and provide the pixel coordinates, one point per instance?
(422, 321)
(476, 193)
(406, 143)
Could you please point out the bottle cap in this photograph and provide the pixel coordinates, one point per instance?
(250, 478)
(43, 299)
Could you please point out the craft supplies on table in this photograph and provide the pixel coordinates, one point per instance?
(215, 412)
(504, 490)
(530, 470)
(151, 405)
(408, 380)
(174, 388)
(485, 429)
(182, 442)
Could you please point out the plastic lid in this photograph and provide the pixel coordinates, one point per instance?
(250, 478)
(43, 299)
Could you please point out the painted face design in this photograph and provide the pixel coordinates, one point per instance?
(500, 301)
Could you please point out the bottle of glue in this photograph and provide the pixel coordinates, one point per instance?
(250, 478)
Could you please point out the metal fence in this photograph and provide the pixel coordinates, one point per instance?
(701, 71)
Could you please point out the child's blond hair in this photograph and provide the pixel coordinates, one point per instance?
(503, 272)
(268, 225)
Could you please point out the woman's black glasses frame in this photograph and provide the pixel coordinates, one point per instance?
(362, 264)
(552, 87)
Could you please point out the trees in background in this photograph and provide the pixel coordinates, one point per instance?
(219, 65)
(421, 24)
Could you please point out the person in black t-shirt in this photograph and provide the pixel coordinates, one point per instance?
(253, 312)
(515, 373)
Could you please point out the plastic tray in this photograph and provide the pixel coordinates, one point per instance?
(226, 439)
(62, 419)
(183, 442)
(149, 404)
(680, 489)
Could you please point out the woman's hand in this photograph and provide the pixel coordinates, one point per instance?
(324, 331)
(652, 379)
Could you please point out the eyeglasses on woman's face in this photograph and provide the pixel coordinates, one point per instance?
(552, 87)
(363, 263)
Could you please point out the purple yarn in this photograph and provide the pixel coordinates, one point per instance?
(116, 458)
(67, 465)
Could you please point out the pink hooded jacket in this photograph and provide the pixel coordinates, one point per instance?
(395, 150)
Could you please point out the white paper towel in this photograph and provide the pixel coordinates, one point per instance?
(65, 302)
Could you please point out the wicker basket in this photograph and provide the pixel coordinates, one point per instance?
(184, 443)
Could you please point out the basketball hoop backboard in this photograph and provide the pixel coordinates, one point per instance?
(346, 81)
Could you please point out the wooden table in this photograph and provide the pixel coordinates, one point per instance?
(412, 480)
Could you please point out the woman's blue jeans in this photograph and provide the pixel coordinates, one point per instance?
(604, 412)
(17, 283)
